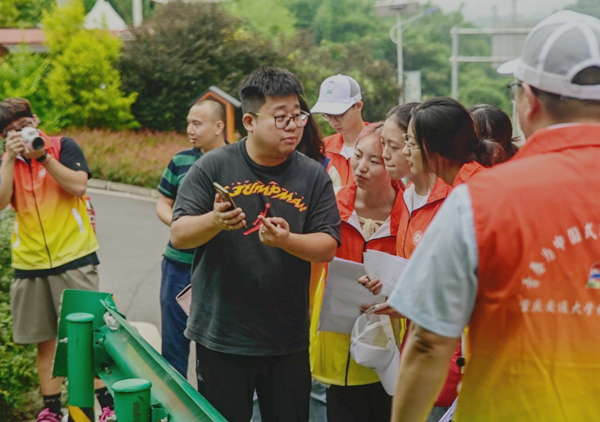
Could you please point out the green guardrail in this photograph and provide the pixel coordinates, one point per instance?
(95, 340)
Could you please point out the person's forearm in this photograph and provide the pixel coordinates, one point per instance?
(6, 181)
(164, 209)
(73, 181)
(191, 231)
(423, 370)
(312, 247)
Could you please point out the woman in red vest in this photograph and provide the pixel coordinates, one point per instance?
(422, 199)
(369, 208)
(444, 131)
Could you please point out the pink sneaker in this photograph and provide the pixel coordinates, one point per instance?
(107, 412)
(47, 416)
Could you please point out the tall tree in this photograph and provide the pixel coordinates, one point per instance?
(181, 52)
(82, 81)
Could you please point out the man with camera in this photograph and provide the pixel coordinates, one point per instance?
(53, 245)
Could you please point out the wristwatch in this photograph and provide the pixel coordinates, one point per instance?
(42, 158)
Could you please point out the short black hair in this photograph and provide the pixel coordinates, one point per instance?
(12, 109)
(564, 109)
(267, 82)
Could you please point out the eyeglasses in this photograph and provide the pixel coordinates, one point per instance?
(512, 89)
(408, 144)
(335, 117)
(281, 122)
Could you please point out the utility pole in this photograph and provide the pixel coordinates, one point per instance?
(137, 12)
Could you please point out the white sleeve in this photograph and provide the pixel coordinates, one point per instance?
(438, 287)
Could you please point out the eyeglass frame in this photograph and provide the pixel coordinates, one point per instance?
(406, 138)
(302, 113)
(512, 89)
(337, 117)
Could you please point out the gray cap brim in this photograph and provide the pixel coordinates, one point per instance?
(325, 107)
(510, 67)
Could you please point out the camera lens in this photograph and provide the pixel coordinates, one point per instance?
(37, 143)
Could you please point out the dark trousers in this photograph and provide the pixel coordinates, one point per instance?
(175, 346)
(361, 403)
(282, 384)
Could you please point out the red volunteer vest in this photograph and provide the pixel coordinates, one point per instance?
(534, 336)
(412, 225)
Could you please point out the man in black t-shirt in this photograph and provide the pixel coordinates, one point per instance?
(251, 271)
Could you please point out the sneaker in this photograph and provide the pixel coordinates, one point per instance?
(47, 416)
(107, 412)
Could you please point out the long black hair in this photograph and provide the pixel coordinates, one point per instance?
(444, 127)
(494, 124)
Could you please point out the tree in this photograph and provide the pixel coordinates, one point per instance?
(181, 52)
(23, 74)
(23, 13)
(271, 19)
(589, 7)
(82, 81)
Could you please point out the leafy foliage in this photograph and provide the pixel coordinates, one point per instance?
(23, 74)
(82, 81)
(23, 13)
(184, 50)
(265, 17)
(18, 375)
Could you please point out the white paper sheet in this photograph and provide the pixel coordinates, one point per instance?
(387, 268)
(343, 296)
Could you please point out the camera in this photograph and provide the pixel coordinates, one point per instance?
(32, 137)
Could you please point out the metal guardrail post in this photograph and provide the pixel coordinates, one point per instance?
(80, 368)
(132, 400)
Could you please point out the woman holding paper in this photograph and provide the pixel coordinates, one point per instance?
(369, 208)
(443, 151)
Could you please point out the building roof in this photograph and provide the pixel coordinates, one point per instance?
(103, 16)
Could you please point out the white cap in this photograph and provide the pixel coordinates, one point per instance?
(373, 345)
(337, 94)
(554, 52)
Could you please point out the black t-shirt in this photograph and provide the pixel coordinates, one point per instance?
(71, 156)
(249, 298)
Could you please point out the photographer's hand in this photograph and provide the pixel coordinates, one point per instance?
(14, 144)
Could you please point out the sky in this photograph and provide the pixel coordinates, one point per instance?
(528, 9)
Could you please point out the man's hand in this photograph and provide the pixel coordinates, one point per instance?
(274, 231)
(14, 144)
(374, 286)
(227, 220)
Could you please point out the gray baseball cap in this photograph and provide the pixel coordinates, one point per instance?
(337, 94)
(557, 49)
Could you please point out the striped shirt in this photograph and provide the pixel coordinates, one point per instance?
(168, 186)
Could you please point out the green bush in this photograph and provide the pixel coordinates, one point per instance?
(18, 374)
(81, 79)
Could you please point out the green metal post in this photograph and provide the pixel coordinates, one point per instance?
(132, 400)
(80, 367)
